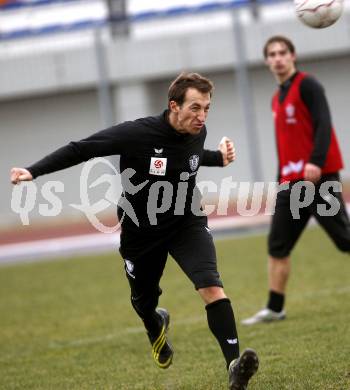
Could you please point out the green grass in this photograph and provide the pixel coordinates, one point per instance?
(69, 324)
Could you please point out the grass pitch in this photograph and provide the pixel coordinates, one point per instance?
(69, 324)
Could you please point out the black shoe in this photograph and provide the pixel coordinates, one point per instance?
(242, 369)
(161, 348)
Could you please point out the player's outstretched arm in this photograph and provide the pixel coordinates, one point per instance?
(228, 151)
(20, 174)
(111, 141)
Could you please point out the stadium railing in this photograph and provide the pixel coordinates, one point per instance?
(79, 23)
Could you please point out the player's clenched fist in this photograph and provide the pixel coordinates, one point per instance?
(20, 174)
(228, 150)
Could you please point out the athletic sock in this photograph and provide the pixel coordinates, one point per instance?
(153, 323)
(276, 301)
(222, 323)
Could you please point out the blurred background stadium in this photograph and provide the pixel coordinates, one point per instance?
(71, 67)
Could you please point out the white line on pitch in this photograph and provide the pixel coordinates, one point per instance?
(184, 321)
(112, 336)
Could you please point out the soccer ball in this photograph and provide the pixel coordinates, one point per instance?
(318, 13)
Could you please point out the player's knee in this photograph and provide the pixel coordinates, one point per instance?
(278, 249)
(211, 294)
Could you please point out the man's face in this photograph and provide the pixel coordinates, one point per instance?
(280, 60)
(192, 114)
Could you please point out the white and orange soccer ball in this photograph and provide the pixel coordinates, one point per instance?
(318, 13)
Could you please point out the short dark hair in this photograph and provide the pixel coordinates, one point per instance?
(279, 39)
(184, 81)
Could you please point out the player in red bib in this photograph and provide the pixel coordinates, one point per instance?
(308, 150)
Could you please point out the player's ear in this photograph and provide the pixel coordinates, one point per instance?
(173, 106)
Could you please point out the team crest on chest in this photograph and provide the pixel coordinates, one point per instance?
(194, 160)
(290, 112)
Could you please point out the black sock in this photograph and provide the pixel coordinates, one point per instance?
(276, 301)
(153, 323)
(221, 322)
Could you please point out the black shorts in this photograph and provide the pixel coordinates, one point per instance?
(190, 244)
(285, 229)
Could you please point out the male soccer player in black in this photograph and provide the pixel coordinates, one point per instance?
(164, 153)
(307, 151)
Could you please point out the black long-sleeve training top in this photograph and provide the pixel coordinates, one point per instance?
(155, 151)
(313, 95)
